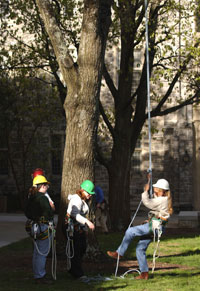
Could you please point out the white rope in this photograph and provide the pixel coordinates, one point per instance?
(117, 265)
(135, 214)
(52, 244)
(132, 270)
(69, 250)
(148, 93)
(149, 122)
(54, 257)
(49, 247)
(157, 231)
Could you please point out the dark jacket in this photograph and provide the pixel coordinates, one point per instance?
(38, 206)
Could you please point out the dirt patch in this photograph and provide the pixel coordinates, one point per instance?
(24, 263)
(126, 265)
(23, 260)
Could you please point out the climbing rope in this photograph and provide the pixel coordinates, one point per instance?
(117, 265)
(157, 232)
(69, 251)
(52, 245)
(148, 93)
(70, 243)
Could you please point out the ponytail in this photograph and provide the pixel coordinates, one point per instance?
(80, 193)
(170, 207)
(33, 191)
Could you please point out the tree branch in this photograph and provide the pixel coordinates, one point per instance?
(107, 122)
(110, 82)
(190, 101)
(63, 56)
(175, 79)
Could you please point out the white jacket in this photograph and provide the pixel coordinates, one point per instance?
(157, 205)
(77, 208)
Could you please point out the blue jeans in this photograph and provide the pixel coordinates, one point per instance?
(40, 251)
(139, 230)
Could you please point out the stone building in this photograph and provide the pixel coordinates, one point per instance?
(175, 155)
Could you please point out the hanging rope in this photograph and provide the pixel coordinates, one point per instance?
(149, 127)
(117, 265)
(148, 93)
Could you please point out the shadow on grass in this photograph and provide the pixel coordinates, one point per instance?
(181, 274)
(188, 253)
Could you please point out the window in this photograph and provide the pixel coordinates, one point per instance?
(57, 146)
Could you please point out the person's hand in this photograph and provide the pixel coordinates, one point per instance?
(90, 225)
(146, 187)
(149, 177)
(52, 205)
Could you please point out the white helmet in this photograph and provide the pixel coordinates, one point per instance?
(162, 184)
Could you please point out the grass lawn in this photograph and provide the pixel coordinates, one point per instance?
(177, 268)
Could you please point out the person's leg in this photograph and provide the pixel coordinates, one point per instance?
(141, 254)
(104, 223)
(98, 217)
(39, 260)
(79, 240)
(40, 252)
(132, 232)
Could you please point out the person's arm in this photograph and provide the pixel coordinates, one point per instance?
(156, 204)
(74, 209)
(50, 201)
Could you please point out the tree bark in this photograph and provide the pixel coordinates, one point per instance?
(83, 81)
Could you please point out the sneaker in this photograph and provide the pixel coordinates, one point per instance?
(113, 255)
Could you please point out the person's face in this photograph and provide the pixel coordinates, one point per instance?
(44, 188)
(159, 192)
(87, 195)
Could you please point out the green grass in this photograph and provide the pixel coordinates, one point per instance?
(16, 273)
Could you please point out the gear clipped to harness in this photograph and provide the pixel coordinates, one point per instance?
(70, 228)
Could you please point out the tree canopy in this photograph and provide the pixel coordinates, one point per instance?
(66, 51)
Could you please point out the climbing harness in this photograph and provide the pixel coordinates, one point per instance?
(70, 242)
(34, 230)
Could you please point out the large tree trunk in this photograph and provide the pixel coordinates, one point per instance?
(119, 197)
(119, 172)
(83, 85)
(119, 181)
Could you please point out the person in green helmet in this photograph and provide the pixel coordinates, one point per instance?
(76, 214)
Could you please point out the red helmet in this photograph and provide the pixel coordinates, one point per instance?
(37, 172)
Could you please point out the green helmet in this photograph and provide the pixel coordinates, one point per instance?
(88, 186)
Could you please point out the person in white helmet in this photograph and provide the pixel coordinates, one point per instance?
(160, 208)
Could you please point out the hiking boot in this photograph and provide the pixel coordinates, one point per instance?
(113, 255)
(143, 276)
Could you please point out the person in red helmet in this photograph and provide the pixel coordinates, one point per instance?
(41, 172)
(39, 226)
